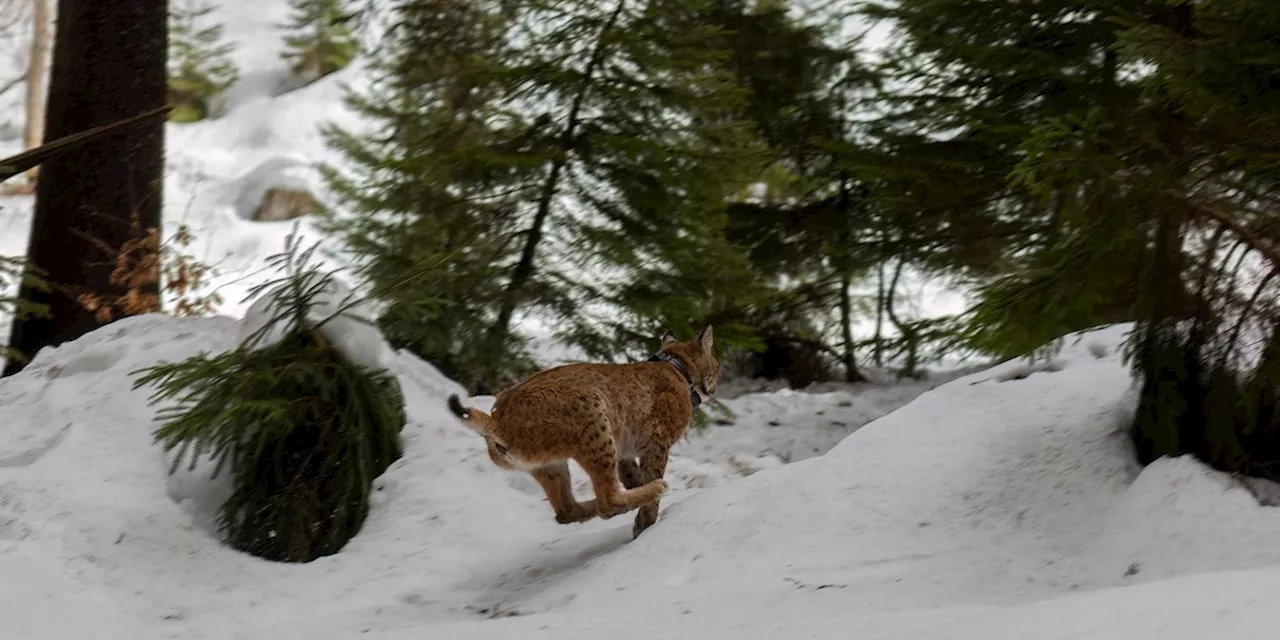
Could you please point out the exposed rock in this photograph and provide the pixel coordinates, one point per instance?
(280, 188)
(280, 203)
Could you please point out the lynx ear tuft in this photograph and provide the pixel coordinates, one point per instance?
(706, 339)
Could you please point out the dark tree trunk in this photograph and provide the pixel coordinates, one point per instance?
(878, 354)
(108, 64)
(910, 335)
(851, 372)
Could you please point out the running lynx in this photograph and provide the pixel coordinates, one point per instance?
(604, 417)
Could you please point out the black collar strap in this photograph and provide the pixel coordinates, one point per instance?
(662, 356)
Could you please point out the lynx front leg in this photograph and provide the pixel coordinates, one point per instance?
(555, 482)
(653, 465)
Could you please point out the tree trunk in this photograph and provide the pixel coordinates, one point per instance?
(910, 337)
(36, 71)
(878, 353)
(108, 64)
(524, 269)
(851, 373)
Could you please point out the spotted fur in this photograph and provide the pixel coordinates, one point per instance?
(617, 421)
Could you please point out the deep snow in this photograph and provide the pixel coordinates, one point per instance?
(994, 504)
(1003, 504)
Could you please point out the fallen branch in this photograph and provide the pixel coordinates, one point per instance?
(21, 163)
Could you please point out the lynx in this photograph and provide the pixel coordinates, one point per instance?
(617, 421)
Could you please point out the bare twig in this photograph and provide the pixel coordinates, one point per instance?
(11, 84)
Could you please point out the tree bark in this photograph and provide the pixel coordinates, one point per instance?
(851, 373)
(910, 337)
(108, 65)
(36, 68)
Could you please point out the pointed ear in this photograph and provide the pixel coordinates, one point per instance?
(668, 338)
(705, 339)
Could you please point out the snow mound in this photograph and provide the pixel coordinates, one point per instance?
(979, 493)
(281, 172)
(1180, 517)
(344, 318)
(450, 536)
(982, 506)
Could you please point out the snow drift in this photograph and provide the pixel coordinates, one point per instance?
(983, 506)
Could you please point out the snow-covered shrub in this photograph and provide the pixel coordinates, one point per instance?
(301, 413)
(199, 66)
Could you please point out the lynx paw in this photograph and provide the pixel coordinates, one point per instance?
(643, 521)
(583, 512)
(605, 514)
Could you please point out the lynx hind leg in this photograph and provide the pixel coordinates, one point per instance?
(600, 461)
(653, 465)
(630, 474)
(556, 483)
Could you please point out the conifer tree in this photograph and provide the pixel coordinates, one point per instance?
(973, 83)
(804, 229)
(199, 67)
(321, 39)
(1208, 341)
(302, 426)
(1146, 196)
(544, 153)
(93, 203)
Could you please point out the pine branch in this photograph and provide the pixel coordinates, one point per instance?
(1237, 227)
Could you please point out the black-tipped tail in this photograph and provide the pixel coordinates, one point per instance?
(455, 405)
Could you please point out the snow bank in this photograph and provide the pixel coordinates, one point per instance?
(981, 493)
(1002, 504)
(91, 496)
(984, 508)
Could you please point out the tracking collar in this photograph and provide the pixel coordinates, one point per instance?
(663, 356)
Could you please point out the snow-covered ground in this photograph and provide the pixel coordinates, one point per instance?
(996, 505)
(1001, 504)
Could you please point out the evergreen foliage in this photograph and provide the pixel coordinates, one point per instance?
(1123, 153)
(199, 68)
(531, 141)
(1208, 352)
(967, 87)
(321, 39)
(303, 430)
(14, 271)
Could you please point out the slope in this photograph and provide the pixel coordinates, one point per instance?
(998, 499)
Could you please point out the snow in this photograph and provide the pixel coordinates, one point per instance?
(993, 504)
(346, 319)
(997, 504)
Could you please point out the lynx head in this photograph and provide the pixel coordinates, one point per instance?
(698, 358)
